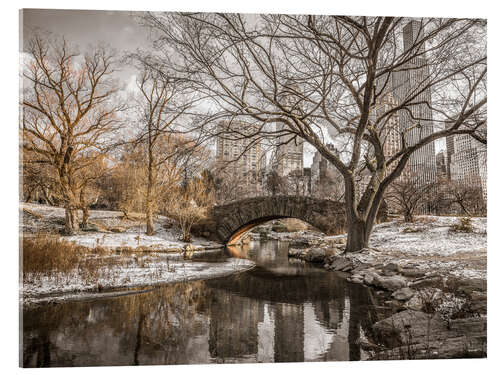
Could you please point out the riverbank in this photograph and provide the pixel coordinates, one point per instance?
(113, 254)
(431, 274)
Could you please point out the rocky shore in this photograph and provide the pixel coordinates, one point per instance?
(430, 275)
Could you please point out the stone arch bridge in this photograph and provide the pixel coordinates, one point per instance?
(227, 223)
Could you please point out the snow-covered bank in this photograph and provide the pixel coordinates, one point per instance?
(112, 230)
(431, 245)
(130, 272)
(120, 255)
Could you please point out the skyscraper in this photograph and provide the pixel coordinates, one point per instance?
(468, 162)
(239, 153)
(289, 154)
(409, 83)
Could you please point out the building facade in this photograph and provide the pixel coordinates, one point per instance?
(407, 83)
(468, 163)
(289, 153)
(240, 153)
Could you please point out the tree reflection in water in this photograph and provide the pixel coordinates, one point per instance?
(281, 311)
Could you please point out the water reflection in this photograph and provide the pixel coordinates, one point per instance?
(281, 311)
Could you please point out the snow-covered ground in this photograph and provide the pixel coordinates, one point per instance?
(132, 233)
(153, 260)
(430, 244)
(154, 269)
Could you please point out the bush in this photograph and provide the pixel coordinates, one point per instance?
(48, 256)
(464, 225)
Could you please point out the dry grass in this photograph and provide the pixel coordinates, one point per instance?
(46, 254)
(47, 258)
(464, 225)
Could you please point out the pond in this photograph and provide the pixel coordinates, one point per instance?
(283, 310)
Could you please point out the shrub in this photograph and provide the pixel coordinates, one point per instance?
(47, 254)
(464, 225)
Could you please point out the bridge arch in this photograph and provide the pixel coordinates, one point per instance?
(227, 222)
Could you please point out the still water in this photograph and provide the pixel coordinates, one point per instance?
(281, 311)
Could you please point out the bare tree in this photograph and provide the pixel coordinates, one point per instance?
(160, 108)
(468, 197)
(275, 184)
(68, 112)
(189, 204)
(408, 195)
(324, 74)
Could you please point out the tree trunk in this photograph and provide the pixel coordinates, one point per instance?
(149, 192)
(71, 221)
(85, 216)
(408, 217)
(85, 209)
(357, 236)
(149, 218)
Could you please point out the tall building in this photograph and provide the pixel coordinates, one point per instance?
(468, 162)
(390, 132)
(450, 150)
(407, 82)
(326, 180)
(239, 153)
(441, 165)
(289, 153)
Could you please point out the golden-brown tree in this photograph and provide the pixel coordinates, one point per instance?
(69, 112)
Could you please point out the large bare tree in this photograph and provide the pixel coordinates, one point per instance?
(321, 77)
(69, 113)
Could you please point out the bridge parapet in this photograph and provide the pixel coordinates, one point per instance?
(228, 222)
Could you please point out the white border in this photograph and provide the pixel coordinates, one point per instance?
(9, 147)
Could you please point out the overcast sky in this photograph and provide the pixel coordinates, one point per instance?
(118, 29)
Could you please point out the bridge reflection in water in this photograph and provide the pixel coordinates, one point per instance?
(281, 311)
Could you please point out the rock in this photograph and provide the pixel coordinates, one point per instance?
(468, 286)
(367, 345)
(356, 278)
(315, 255)
(391, 269)
(429, 336)
(342, 264)
(294, 253)
(412, 272)
(478, 296)
(414, 303)
(299, 243)
(117, 229)
(369, 277)
(90, 227)
(391, 283)
(427, 281)
(406, 325)
(403, 294)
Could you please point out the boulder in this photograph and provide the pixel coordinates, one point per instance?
(391, 269)
(299, 243)
(412, 272)
(369, 277)
(90, 227)
(315, 255)
(391, 283)
(406, 325)
(403, 294)
(427, 281)
(342, 264)
(294, 253)
(117, 229)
